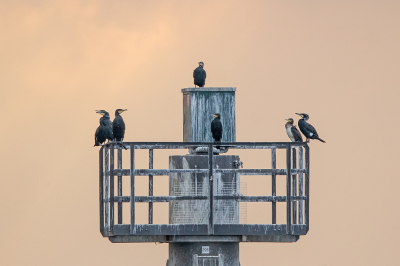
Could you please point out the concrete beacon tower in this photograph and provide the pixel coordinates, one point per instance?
(205, 223)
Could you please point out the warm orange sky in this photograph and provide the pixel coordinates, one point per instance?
(338, 61)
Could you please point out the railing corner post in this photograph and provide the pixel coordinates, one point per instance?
(211, 189)
(132, 198)
(288, 189)
(307, 186)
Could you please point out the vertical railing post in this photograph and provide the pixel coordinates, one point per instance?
(294, 187)
(211, 189)
(195, 260)
(112, 146)
(288, 190)
(273, 166)
(101, 188)
(106, 188)
(132, 199)
(120, 185)
(238, 192)
(221, 260)
(301, 205)
(150, 186)
(307, 187)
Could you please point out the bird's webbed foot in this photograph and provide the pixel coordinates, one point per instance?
(121, 144)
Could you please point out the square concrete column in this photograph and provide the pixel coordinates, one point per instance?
(199, 105)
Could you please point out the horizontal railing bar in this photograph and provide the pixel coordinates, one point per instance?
(250, 229)
(146, 172)
(232, 145)
(298, 198)
(259, 171)
(258, 229)
(258, 198)
(225, 197)
(297, 171)
(160, 172)
(252, 198)
(162, 229)
(252, 171)
(169, 171)
(158, 198)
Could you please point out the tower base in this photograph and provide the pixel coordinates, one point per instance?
(205, 253)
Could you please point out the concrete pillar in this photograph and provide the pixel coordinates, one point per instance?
(197, 211)
(206, 253)
(199, 105)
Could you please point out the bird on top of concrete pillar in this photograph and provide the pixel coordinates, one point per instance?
(291, 130)
(307, 129)
(216, 129)
(199, 75)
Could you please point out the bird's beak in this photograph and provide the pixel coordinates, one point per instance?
(123, 110)
(215, 116)
(299, 114)
(287, 119)
(99, 112)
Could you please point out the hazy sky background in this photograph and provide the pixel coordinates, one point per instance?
(337, 60)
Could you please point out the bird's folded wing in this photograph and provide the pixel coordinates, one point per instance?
(296, 134)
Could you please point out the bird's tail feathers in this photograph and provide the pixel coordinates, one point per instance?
(321, 140)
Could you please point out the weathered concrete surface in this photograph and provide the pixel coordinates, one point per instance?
(188, 254)
(199, 105)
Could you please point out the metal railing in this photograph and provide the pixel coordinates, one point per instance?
(297, 191)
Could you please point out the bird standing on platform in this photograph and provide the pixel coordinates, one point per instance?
(291, 130)
(199, 75)
(105, 129)
(119, 125)
(307, 129)
(216, 129)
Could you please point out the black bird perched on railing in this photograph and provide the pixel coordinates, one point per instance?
(307, 129)
(291, 130)
(199, 75)
(105, 129)
(119, 125)
(216, 129)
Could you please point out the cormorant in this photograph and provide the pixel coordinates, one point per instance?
(105, 129)
(119, 125)
(199, 75)
(216, 129)
(291, 130)
(307, 129)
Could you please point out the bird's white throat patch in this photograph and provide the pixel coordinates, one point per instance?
(289, 132)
